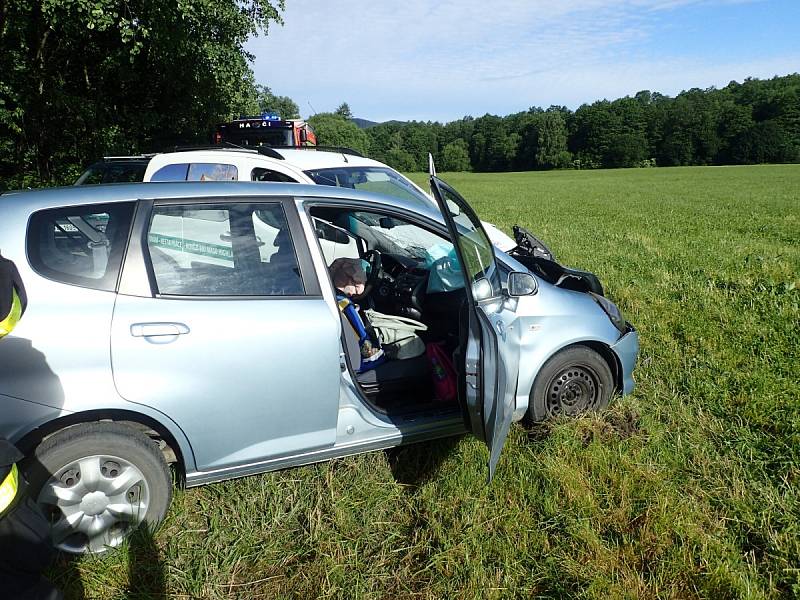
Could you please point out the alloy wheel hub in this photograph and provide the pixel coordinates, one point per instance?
(94, 502)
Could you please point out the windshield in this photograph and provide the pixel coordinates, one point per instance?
(260, 137)
(113, 172)
(381, 180)
(396, 237)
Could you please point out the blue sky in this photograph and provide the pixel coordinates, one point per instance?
(441, 60)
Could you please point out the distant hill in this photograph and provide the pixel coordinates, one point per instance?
(366, 123)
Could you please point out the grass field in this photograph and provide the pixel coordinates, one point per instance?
(688, 488)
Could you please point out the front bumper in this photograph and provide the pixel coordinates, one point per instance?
(627, 351)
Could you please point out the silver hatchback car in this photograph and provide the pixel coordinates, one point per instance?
(193, 329)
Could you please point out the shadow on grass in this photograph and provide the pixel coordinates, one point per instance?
(66, 576)
(145, 569)
(417, 464)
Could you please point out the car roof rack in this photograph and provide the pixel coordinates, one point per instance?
(230, 147)
(147, 156)
(338, 149)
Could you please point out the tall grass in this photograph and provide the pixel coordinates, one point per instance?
(689, 488)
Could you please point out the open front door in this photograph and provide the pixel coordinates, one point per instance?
(490, 357)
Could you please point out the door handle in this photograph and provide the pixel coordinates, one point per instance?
(158, 329)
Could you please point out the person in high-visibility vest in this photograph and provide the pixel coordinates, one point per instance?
(26, 547)
(13, 299)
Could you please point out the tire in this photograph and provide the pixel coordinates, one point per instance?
(107, 477)
(574, 381)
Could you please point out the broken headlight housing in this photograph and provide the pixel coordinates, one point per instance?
(612, 311)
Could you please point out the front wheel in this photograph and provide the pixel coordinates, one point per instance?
(572, 382)
(97, 482)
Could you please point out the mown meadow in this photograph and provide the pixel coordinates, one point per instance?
(688, 488)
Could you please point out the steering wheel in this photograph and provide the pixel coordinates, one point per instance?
(373, 257)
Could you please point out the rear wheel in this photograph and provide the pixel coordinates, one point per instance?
(97, 482)
(574, 381)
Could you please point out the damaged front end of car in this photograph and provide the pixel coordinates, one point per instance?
(539, 259)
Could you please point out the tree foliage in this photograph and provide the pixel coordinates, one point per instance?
(750, 122)
(455, 156)
(344, 111)
(334, 130)
(81, 78)
(269, 102)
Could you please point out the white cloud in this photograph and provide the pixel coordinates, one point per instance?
(440, 60)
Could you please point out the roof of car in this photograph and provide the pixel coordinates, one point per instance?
(32, 200)
(324, 159)
(301, 159)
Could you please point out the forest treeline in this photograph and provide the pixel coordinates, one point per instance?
(756, 121)
(79, 80)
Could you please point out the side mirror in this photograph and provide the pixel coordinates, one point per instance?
(521, 284)
(303, 136)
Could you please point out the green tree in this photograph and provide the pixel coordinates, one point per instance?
(382, 139)
(455, 156)
(80, 79)
(335, 130)
(419, 139)
(552, 141)
(543, 143)
(269, 102)
(493, 147)
(401, 160)
(764, 142)
(344, 111)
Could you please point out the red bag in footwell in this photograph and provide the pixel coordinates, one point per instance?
(443, 372)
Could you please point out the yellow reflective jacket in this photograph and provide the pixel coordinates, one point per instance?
(13, 299)
(8, 488)
(9, 322)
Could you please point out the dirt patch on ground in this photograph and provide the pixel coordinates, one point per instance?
(615, 425)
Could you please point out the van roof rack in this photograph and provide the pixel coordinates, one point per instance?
(147, 156)
(230, 147)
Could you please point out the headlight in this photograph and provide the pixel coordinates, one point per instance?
(612, 311)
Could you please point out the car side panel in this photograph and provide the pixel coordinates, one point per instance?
(549, 321)
(20, 417)
(250, 378)
(58, 355)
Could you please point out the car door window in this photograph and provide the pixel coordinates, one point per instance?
(335, 242)
(261, 174)
(80, 245)
(223, 250)
(476, 249)
(212, 172)
(196, 172)
(175, 172)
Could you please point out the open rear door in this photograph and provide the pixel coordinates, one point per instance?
(491, 356)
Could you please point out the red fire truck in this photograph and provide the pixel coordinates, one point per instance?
(266, 129)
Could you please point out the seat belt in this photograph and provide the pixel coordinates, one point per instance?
(98, 243)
